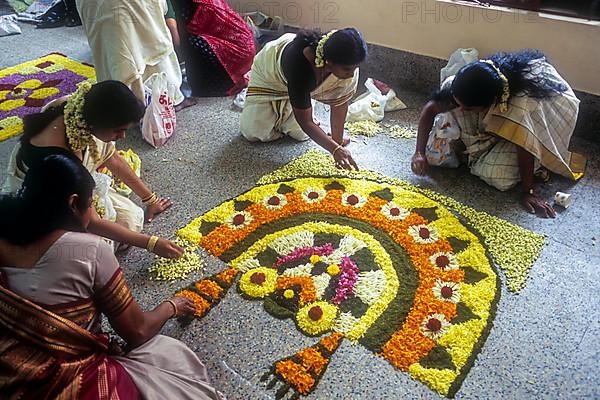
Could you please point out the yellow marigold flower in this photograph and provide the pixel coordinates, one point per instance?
(315, 258)
(333, 270)
(289, 294)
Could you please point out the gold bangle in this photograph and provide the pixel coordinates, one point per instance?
(339, 146)
(153, 199)
(152, 243)
(174, 307)
(145, 199)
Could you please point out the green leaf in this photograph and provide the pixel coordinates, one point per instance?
(430, 214)
(385, 194)
(438, 358)
(276, 310)
(335, 186)
(241, 205)
(458, 245)
(463, 314)
(285, 189)
(472, 276)
(206, 227)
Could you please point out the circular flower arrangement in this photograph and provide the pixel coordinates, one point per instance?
(353, 200)
(394, 212)
(275, 202)
(240, 220)
(361, 264)
(313, 195)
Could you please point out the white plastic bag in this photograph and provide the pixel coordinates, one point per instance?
(440, 149)
(457, 60)
(8, 25)
(372, 105)
(159, 120)
(102, 203)
(240, 99)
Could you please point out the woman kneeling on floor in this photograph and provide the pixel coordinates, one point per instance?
(56, 281)
(512, 116)
(85, 126)
(291, 70)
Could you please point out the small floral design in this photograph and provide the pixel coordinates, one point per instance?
(447, 291)
(313, 195)
(353, 200)
(394, 212)
(29, 93)
(444, 261)
(424, 234)
(275, 202)
(240, 220)
(434, 326)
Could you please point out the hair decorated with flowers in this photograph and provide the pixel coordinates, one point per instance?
(79, 133)
(320, 52)
(505, 87)
(500, 76)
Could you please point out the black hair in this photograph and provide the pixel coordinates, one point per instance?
(309, 38)
(108, 104)
(346, 46)
(477, 84)
(41, 205)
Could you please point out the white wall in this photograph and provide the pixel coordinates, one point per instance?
(437, 27)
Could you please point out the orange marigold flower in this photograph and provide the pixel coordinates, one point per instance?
(308, 293)
(209, 288)
(201, 305)
(228, 275)
(313, 360)
(332, 341)
(296, 375)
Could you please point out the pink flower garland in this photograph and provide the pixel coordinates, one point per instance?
(348, 277)
(324, 250)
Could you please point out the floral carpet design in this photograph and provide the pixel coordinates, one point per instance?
(364, 258)
(27, 87)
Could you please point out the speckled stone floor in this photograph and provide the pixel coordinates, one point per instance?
(544, 343)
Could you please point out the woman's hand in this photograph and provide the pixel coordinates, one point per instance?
(159, 207)
(536, 205)
(184, 305)
(167, 249)
(419, 164)
(343, 159)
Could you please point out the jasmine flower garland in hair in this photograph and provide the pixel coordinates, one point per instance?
(319, 57)
(79, 134)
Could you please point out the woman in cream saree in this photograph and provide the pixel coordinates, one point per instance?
(290, 71)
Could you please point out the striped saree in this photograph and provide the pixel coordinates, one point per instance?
(45, 353)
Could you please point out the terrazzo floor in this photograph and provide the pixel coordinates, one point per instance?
(544, 343)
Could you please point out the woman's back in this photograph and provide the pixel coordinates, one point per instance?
(74, 268)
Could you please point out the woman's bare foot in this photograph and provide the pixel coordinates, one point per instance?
(187, 102)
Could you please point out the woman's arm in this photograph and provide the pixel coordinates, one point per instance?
(123, 172)
(530, 201)
(112, 230)
(342, 156)
(136, 327)
(338, 122)
(172, 25)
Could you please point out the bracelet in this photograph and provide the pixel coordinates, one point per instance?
(152, 243)
(150, 200)
(339, 146)
(174, 307)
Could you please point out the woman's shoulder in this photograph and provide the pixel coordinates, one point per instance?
(87, 245)
(56, 102)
